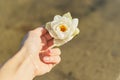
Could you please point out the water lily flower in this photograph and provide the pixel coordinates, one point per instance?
(62, 28)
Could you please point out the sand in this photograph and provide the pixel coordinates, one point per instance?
(92, 55)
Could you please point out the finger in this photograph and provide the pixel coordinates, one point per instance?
(40, 30)
(44, 42)
(44, 31)
(45, 53)
(51, 59)
(55, 52)
(50, 43)
(47, 36)
(51, 52)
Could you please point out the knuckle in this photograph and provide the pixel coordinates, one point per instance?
(31, 32)
(58, 59)
(57, 51)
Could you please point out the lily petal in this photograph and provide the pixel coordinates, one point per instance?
(68, 15)
(77, 31)
(75, 22)
(57, 17)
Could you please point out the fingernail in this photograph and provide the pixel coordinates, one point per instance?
(46, 58)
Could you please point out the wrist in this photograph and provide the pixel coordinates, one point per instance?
(24, 66)
(25, 70)
(19, 67)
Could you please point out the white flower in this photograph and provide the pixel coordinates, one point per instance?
(63, 28)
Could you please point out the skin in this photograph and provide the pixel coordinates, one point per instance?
(35, 57)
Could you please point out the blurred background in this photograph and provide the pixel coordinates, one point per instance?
(92, 55)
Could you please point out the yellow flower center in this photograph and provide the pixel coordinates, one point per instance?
(63, 28)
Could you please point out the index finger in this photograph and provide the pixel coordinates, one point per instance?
(40, 31)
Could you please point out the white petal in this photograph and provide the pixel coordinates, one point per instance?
(60, 35)
(69, 38)
(77, 31)
(68, 15)
(75, 22)
(58, 42)
(50, 30)
(57, 17)
(47, 26)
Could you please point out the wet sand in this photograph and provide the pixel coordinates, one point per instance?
(92, 55)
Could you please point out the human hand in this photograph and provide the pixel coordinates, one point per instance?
(37, 44)
(35, 57)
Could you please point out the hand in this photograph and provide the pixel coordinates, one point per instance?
(37, 44)
(37, 40)
(36, 57)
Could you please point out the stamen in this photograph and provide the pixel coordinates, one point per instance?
(63, 28)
